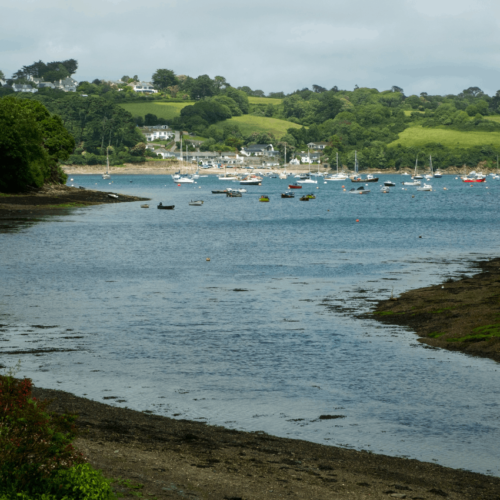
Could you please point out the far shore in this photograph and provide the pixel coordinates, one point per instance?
(168, 168)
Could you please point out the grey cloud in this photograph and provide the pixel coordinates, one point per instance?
(420, 45)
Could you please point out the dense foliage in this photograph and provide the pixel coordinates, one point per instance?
(36, 455)
(32, 143)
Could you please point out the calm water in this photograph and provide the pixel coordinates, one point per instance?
(261, 337)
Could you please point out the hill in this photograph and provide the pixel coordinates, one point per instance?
(417, 136)
(250, 123)
(167, 110)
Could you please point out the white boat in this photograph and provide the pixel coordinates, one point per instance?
(251, 180)
(226, 177)
(425, 187)
(389, 184)
(385, 189)
(412, 183)
(338, 176)
(359, 190)
(106, 175)
(405, 173)
(415, 175)
(197, 203)
(307, 181)
(284, 175)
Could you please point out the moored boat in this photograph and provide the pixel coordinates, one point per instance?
(287, 195)
(304, 198)
(359, 190)
(264, 198)
(294, 186)
(196, 203)
(161, 206)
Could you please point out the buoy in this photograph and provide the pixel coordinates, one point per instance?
(357, 220)
(413, 196)
(344, 189)
(343, 186)
(445, 189)
(179, 185)
(208, 259)
(328, 210)
(420, 236)
(324, 182)
(317, 187)
(71, 180)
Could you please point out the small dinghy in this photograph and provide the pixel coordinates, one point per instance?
(144, 206)
(425, 187)
(161, 206)
(304, 198)
(310, 196)
(220, 191)
(264, 198)
(233, 194)
(360, 190)
(287, 195)
(294, 186)
(111, 195)
(389, 184)
(385, 189)
(196, 203)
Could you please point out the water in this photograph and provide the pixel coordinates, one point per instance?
(264, 336)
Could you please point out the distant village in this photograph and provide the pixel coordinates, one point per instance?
(261, 155)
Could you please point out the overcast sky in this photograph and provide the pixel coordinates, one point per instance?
(434, 46)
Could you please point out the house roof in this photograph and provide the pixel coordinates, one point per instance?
(258, 146)
(318, 143)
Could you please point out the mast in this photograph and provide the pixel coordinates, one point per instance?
(107, 161)
(430, 164)
(285, 157)
(337, 163)
(181, 148)
(416, 166)
(356, 162)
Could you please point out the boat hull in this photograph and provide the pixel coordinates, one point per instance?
(375, 179)
(294, 186)
(166, 207)
(474, 180)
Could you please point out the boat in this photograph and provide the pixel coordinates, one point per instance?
(311, 196)
(106, 175)
(233, 194)
(294, 186)
(405, 173)
(284, 175)
(264, 198)
(339, 176)
(196, 203)
(438, 174)
(226, 177)
(356, 177)
(385, 189)
(474, 177)
(415, 175)
(411, 183)
(288, 194)
(389, 184)
(112, 195)
(304, 198)
(145, 206)
(251, 180)
(220, 191)
(425, 187)
(161, 206)
(359, 190)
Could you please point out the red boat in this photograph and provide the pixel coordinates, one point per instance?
(479, 179)
(294, 186)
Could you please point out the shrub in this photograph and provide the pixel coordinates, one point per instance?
(34, 444)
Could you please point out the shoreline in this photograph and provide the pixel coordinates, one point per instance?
(461, 315)
(52, 199)
(168, 168)
(171, 458)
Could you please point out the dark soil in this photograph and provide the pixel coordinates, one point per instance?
(159, 457)
(461, 315)
(56, 197)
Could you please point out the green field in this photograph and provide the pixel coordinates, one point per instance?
(250, 123)
(419, 136)
(494, 118)
(264, 100)
(167, 110)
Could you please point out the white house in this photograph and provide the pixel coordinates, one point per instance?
(295, 161)
(156, 133)
(260, 150)
(67, 84)
(317, 145)
(166, 154)
(19, 87)
(310, 157)
(143, 87)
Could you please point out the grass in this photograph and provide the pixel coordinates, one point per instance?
(250, 123)
(167, 110)
(418, 136)
(264, 100)
(495, 118)
(435, 335)
(480, 333)
(66, 205)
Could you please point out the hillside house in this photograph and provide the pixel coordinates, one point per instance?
(143, 87)
(260, 150)
(156, 133)
(317, 145)
(20, 87)
(166, 154)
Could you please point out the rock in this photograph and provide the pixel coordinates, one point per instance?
(398, 495)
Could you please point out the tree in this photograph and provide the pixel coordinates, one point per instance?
(397, 89)
(240, 97)
(174, 89)
(164, 78)
(125, 78)
(220, 83)
(318, 89)
(2, 76)
(203, 86)
(32, 141)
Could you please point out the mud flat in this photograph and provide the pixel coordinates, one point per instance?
(462, 315)
(53, 198)
(167, 458)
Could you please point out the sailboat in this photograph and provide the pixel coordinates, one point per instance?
(429, 176)
(415, 175)
(437, 174)
(182, 178)
(284, 175)
(356, 177)
(106, 175)
(307, 179)
(226, 177)
(339, 176)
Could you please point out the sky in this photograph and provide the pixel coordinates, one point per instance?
(433, 46)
